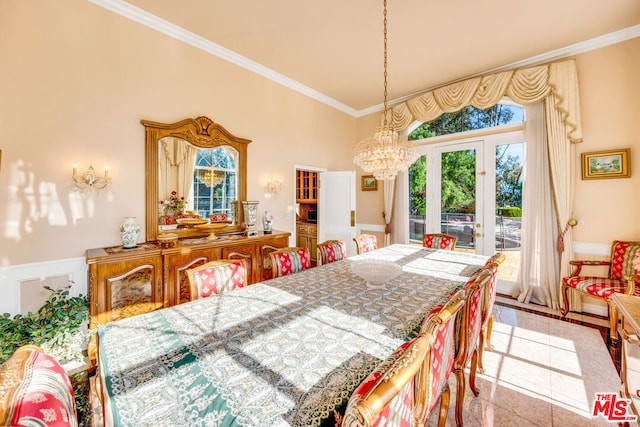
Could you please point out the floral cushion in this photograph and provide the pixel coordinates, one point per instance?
(598, 286)
(622, 256)
(289, 260)
(216, 277)
(438, 241)
(35, 391)
(332, 250)
(366, 243)
(218, 217)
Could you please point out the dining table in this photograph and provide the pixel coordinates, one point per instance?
(284, 352)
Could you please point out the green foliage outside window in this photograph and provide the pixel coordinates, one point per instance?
(458, 167)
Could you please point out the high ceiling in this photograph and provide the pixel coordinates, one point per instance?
(333, 49)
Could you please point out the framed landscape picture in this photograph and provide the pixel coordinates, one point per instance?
(606, 164)
(369, 183)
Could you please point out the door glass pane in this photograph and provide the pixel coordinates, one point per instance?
(458, 197)
(509, 161)
(417, 199)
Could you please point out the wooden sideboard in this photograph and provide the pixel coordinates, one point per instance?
(629, 309)
(125, 282)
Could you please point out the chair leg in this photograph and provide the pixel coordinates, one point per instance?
(459, 395)
(489, 330)
(565, 299)
(444, 405)
(613, 321)
(483, 331)
(472, 373)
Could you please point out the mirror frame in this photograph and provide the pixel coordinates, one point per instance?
(203, 133)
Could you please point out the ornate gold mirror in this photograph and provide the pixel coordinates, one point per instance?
(195, 166)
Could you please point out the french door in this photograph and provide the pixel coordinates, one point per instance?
(462, 187)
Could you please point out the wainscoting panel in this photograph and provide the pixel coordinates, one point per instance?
(22, 286)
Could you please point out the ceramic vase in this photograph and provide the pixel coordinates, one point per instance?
(267, 222)
(250, 217)
(129, 232)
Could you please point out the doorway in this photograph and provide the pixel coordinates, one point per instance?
(473, 191)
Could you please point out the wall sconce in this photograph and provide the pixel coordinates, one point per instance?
(272, 187)
(89, 179)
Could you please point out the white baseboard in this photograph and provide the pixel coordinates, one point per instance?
(600, 310)
(11, 278)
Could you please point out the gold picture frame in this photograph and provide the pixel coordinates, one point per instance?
(369, 183)
(606, 164)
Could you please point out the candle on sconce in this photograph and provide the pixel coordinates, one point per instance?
(75, 170)
(106, 171)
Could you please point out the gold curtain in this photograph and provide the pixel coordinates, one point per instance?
(557, 80)
(557, 85)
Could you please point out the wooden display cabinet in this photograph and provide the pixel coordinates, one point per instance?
(306, 186)
(125, 282)
(307, 237)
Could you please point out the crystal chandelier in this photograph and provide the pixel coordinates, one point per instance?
(386, 153)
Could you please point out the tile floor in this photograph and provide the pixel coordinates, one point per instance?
(543, 372)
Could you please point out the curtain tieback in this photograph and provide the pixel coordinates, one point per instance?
(387, 225)
(571, 222)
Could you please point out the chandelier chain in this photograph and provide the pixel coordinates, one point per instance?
(384, 24)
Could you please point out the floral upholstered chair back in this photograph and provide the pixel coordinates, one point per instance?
(404, 388)
(331, 250)
(469, 336)
(289, 260)
(366, 243)
(439, 241)
(35, 391)
(216, 277)
(622, 278)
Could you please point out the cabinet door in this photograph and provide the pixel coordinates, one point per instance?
(248, 253)
(313, 248)
(127, 288)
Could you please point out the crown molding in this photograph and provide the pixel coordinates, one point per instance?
(147, 19)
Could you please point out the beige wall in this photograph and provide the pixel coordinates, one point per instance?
(609, 81)
(75, 82)
(77, 79)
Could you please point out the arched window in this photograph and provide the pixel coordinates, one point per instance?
(214, 180)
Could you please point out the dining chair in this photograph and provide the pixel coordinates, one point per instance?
(366, 243)
(621, 278)
(35, 390)
(216, 277)
(289, 260)
(439, 241)
(468, 337)
(489, 300)
(331, 250)
(404, 389)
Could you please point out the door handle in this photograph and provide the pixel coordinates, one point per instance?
(353, 218)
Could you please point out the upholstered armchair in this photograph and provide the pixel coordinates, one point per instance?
(35, 391)
(331, 250)
(404, 389)
(468, 338)
(439, 241)
(489, 298)
(289, 260)
(216, 277)
(621, 278)
(366, 243)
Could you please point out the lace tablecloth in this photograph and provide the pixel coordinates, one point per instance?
(288, 351)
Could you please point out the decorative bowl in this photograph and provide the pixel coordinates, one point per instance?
(167, 240)
(192, 221)
(376, 272)
(212, 228)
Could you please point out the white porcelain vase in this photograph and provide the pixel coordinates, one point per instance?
(129, 232)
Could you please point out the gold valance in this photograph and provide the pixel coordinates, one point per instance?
(557, 81)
